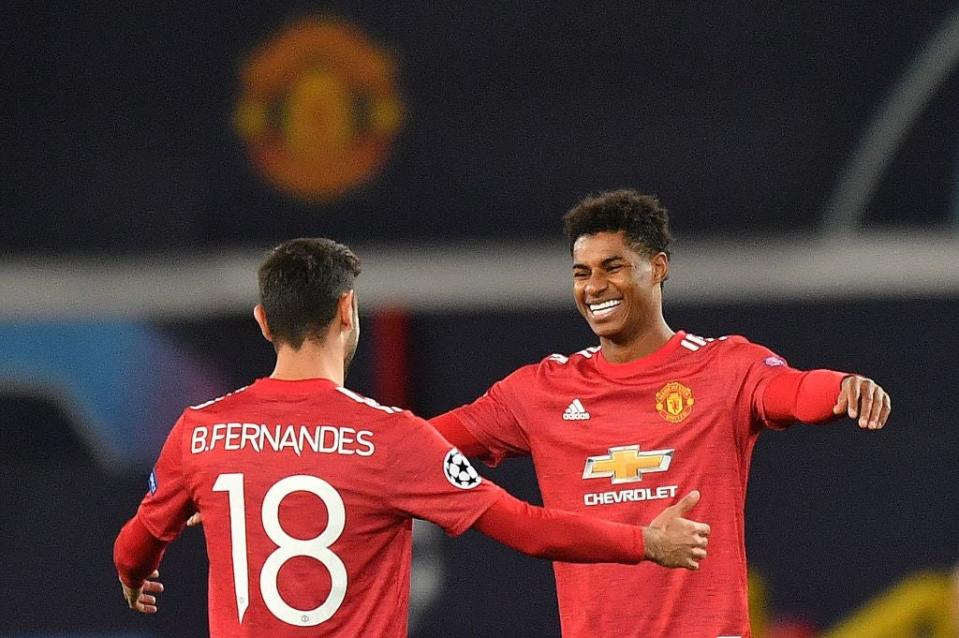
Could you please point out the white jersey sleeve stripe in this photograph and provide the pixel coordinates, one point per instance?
(207, 404)
(367, 401)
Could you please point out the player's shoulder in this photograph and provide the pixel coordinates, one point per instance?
(369, 407)
(228, 400)
(692, 342)
(727, 346)
(562, 363)
(384, 419)
(552, 366)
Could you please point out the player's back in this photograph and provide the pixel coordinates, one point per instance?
(307, 492)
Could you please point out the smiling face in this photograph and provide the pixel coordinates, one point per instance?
(616, 288)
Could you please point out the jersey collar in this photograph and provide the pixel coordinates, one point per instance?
(630, 368)
(298, 387)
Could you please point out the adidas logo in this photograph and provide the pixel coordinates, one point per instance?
(576, 412)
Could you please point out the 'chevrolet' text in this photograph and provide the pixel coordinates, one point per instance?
(627, 496)
(259, 437)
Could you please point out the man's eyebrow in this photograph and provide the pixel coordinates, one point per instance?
(606, 263)
(610, 260)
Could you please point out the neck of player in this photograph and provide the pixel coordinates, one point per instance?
(311, 361)
(638, 344)
(324, 353)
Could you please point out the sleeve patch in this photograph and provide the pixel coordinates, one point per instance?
(774, 362)
(459, 472)
(152, 482)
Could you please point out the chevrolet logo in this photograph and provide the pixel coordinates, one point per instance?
(626, 464)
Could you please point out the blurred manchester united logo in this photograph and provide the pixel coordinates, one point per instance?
(319, 109)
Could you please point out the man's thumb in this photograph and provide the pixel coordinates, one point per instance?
(687, 503)
(841, 403)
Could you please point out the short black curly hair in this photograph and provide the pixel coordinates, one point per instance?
(643, 220)
(301, 281)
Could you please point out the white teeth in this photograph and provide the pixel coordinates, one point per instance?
(605, 307)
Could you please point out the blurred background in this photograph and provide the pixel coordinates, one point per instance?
(152, 153)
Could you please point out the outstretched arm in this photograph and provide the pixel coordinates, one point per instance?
(820, 395)
(670, 540)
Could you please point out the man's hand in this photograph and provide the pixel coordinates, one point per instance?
(673, 541)
(142, 599)
(862, 397)
(196, 519)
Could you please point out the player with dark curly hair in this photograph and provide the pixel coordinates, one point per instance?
(616, 429)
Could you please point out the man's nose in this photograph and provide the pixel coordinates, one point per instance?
(596, 284)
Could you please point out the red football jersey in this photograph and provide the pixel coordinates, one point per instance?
(622, 442)
(307, 492)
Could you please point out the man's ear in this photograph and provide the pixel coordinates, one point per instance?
(346, 310)
(660, 264)
(260, 315)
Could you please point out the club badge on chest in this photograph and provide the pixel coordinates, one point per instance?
(674, 402)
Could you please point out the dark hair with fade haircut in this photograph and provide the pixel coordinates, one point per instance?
(642, 219)
(301, 281)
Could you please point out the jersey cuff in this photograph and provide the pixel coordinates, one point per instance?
(136, 553)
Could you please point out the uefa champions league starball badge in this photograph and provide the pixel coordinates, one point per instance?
(459, 472)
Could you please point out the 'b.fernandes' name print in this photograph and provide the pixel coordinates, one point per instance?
(259, 437)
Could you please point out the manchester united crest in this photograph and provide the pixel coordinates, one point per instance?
(674, 401)
(320, 108)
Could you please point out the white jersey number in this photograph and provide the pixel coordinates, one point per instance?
(288, 547)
